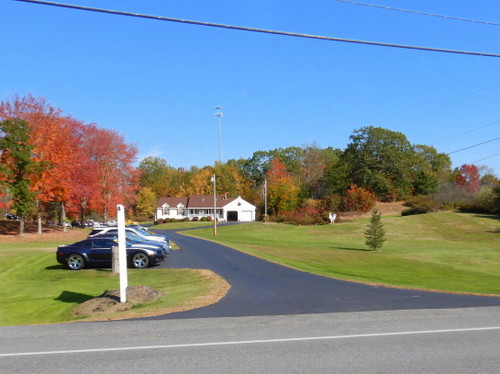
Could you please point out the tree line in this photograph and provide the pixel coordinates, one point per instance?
(54, 166)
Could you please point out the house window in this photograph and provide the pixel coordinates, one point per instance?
(180, 211)
(165, 210)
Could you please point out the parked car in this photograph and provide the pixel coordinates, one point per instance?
(139, 242)
(10, 216)
(98, 252)
(137, 226)
(143, 234)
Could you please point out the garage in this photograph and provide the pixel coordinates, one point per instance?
(246, 216)
(232, 215)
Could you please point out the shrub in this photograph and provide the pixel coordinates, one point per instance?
(203, 219)
(303, 216)
(483, 202)
(420, 205)
(185, 219)
(166, 220)
(194, 219)
(358, 199)
(209, 218)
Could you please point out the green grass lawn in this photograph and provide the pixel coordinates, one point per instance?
(36, 289)
(440, 251)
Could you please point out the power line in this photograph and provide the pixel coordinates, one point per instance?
(472, 146)
(420, 13)
(496, 154)
(265, 31)
(451, 102)
(466, 132)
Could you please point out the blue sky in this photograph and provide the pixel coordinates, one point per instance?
(157, 83)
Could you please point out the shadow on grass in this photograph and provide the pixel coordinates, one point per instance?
(353, 249)
(490, 216)
(62, 267)
(55, 267)
(73, 297)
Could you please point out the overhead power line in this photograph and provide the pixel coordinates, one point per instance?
(420, 13)
(496, 154)
(466, 132)
(472, 146)
(274, 32)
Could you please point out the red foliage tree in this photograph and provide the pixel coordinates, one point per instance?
(469, 179)
(113, 159)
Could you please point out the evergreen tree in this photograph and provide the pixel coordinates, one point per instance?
(375, 234)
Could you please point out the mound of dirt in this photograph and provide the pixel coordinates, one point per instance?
(109, 302)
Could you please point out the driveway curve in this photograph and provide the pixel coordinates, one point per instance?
(259, 287)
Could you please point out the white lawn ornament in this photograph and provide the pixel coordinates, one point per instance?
(332, 218)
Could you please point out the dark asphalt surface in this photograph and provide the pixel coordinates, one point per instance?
(261, 288)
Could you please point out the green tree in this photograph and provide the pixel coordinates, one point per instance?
(156, 174)
(380, 160)
(17, 166)
(430, 169)
(146, 202)
(375, 234)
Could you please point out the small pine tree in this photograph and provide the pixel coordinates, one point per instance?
(375, 234)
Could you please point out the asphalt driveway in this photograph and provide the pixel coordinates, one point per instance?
(262, 288)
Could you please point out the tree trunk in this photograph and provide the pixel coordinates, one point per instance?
(63, 217)
(21, 225)
(38, 218)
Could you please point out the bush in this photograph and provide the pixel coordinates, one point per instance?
(483, 202)
(203, 219)
(194, 219)
(358, 199)
(185, 219)
(166, 220)
(303, 216)
(209, 218)
(420, 205)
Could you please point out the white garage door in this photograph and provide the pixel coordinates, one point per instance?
(246, 216)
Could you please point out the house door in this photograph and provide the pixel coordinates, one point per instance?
(232, 215)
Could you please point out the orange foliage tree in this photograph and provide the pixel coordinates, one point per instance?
(282, 189)
(82, 166)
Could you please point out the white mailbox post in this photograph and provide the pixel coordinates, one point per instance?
(122, 252)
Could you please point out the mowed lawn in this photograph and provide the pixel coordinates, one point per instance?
(36, 289)
(446, 251)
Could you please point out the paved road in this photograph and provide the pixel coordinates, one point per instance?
(261, 288)
(445, 341)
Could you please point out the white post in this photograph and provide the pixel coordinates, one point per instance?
(122, 252)
(215, 205)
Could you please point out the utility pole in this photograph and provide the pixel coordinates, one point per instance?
(265, 200)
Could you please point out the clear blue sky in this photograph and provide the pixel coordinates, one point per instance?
(157, 83)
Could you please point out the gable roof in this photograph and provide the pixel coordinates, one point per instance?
(195, 201)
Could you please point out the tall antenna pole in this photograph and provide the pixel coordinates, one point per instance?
(218, 114)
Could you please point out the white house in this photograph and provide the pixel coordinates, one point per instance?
(227, 208)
